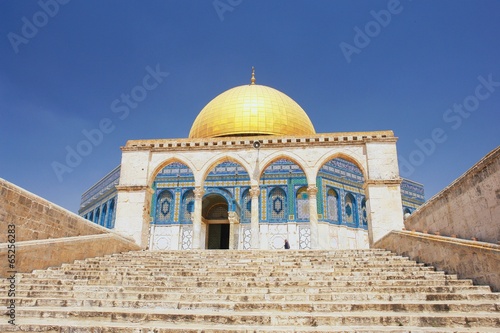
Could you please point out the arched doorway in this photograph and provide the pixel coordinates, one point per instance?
(215, 215)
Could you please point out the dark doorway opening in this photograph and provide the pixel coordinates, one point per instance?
(218, 236)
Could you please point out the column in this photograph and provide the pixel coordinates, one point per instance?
(132, 213)
(233, 219)
(383, 205)
(312, 190)
(254, 220)
(198, 196)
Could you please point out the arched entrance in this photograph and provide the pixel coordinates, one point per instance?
(215, 215)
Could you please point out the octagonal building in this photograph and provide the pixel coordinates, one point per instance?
(252, 173)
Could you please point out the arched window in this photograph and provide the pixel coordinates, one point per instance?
(164, 207)
(173, 176)
(187, 206)
(277, 205)
(332, 204)
(110, 222)
(246, 206)
(103, 215)
(302, 203)
(91, 216)
(364, 215)
(97, 215)
(350, 208)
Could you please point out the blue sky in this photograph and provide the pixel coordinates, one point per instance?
(428, 70)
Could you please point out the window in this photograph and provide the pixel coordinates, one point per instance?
(350, 208)
(277, 205)
(302, 203)
(164, 207)
(187, 206)
(332, 204)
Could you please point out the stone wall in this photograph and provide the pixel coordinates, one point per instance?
(468, 259)
(469, 208)
(36, 218)
(44, 234)
(41, 254)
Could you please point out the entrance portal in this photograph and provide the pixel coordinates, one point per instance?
(215, 214)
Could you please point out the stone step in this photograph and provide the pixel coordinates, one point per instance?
(370, 318)
(69, 326)
(251, 291)
(259, 283)
(326, 273)
(331, 275)
(208, 265)
(307, 255)
(241, 258)
(270, 284)
(258, 253)
(347, 295)
(242, 277)
(258, 268)
(316, 307)
(337, 297)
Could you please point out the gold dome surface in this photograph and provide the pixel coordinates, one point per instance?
(251, 110)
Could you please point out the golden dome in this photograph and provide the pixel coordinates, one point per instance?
(251, 110)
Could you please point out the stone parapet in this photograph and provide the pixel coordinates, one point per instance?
(36, 218)
(469, 208)
(41, 254)
(468, 259)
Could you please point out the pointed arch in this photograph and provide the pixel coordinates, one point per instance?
(329, 157)
(220, 159)
(165, 163)
(269, 160)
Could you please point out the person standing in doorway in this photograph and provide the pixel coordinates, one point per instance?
(287, 245)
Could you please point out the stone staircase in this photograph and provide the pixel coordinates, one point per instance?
(250, 291)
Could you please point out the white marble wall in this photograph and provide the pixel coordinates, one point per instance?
(272, 236)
